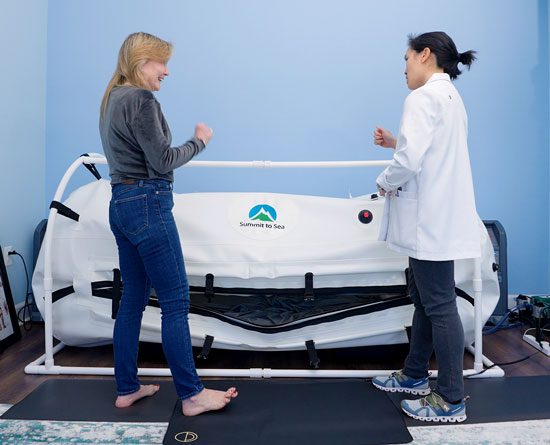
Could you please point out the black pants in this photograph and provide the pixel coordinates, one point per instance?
(436, 326)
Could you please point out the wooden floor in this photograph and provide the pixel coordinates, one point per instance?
(502, 346)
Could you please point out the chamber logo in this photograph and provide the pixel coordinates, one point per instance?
(262, 212)
(262, 217)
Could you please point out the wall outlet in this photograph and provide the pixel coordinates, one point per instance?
(7, 258)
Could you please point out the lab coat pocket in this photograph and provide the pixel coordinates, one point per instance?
(403, 220)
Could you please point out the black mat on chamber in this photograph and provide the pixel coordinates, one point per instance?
(91, 400)
(498, 400)
(319, 412)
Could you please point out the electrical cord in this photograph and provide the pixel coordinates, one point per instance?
(504, 364)
(534, 329)
(26, 309)
(498, 326)
(544, 329)
(493, 329)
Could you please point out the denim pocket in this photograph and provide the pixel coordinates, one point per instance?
(132, 214)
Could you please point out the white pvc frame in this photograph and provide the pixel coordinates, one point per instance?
(45, 363)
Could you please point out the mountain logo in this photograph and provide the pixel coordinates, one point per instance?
(262, 212)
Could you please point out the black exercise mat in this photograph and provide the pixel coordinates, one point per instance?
(91, 400)
(499, 399)
(288, 412)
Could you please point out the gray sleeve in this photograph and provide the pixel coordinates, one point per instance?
(148, 131)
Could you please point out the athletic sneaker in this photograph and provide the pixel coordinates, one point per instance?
(399, 382)
(433, 408)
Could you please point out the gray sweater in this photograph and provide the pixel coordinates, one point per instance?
(136, 138)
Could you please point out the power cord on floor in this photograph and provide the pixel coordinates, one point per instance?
(503, 364)
(540, 311)
(26, 319)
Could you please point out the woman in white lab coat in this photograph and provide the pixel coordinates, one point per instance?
(430, 216)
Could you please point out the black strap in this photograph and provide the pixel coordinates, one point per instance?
(102, 284)
(209, 287)
(92, 168)
(64, 210)
(206, 347)
(308, 293)
(102, 289)
(312, 353)
(464, 295)
(63, 292)
(117, 293)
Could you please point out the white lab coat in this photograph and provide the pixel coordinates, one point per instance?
(433, 215)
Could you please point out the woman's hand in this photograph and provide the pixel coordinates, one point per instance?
(384, 138)
(204, 133)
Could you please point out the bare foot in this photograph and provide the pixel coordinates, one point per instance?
(207, 400)
(144, 391)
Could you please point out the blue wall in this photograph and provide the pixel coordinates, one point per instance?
(309, 80)
(546, 24)
(23, 26)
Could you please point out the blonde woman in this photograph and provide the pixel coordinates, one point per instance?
(137, 144)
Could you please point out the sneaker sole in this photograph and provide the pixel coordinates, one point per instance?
(444, 419)
(420, 392)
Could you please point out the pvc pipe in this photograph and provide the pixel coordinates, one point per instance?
(287, 164)
(478, 314)
(247, 373)
(36, 368)
(48, 316)
(41, 360)
(496, 371)
(93, 158)
(96, 158)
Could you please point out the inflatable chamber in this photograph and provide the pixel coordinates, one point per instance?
(266, 272)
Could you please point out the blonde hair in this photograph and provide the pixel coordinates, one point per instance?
(134, 52)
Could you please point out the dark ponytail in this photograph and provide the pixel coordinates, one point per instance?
(467, 58)
(444, 49)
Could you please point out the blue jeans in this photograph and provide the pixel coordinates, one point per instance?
(436, 326)
(150, 254)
